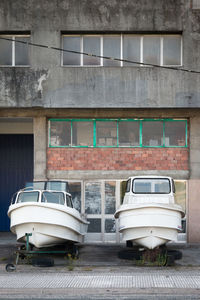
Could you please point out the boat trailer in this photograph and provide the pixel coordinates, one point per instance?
(37, 258)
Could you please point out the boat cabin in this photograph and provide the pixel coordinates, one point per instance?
(43, 196)
(149, 189)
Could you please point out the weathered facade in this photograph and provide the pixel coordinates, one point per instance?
(46, 90)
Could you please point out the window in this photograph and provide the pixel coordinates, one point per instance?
(28, 197)
(75, 191)
(195, 4)
(82, 133)
(110, 197)
(175, 133)
(151, 186)
(91, 44)
(117, 133)
(131, 49)
(171, 50)
(53, 197)
(57, 185)
(152, 133)
(129, 133)
(93, 198)
(163, 50)
(106, 133)
(14, 53)
(151, 49)
(111, 48)
(128, 185)
(60, 133)
(71, 43)
(69, 201)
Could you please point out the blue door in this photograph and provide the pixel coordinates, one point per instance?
(16, 167)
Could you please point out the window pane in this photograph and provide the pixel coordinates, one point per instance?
(175, 133)
(69, 201)
(128, 185)
(123, 185)
(5, 52)
(110, 226)
(180, 195)
(151, 50)
(129, 133)
(71, 43)
(131, 49)
(57, 198)
(21, 51)
(60, 133)
(40, 185)
(111, 48)
(110, 197)
(91, 45)
(151, 186)
(106, 133)
(94, 226)
(172, 50)
(152, 133)
(28, 197)
(57, 186)
(75, 191)
(82, 133)
(93, 198)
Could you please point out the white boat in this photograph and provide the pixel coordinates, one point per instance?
(149, 216)
(48, 216)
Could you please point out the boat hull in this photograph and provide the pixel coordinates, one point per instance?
(49, 224)
(149, 225)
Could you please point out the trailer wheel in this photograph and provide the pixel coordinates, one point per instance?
(129, 244)
(130, 254)
(10, 268)
(170, 260)
(42, 262)
(176, 253)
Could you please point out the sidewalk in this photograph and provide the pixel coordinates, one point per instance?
(100, 274)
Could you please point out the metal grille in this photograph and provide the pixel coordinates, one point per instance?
(94, 281)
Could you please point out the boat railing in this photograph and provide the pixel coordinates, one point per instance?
(13, 198)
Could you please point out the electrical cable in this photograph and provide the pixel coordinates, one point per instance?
(100, 56)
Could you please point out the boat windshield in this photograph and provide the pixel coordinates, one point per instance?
(36, 185)
(151, 186)
(53, 197)
(28, 197)
(57, 186)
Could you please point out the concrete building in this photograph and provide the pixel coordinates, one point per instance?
(93, 120)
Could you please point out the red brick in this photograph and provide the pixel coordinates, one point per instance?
(117, 159)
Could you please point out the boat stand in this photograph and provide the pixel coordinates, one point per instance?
(26, 251)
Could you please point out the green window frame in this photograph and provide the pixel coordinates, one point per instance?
(140, 136)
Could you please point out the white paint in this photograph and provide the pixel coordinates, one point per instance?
(40, 81)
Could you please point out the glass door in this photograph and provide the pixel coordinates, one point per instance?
(100, 205)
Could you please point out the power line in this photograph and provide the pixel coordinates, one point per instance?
(100, 56)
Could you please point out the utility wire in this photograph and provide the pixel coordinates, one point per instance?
(100, 56)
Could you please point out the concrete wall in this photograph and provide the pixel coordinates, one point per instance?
(194, 182)
(47, 84)
(40, 144)
(45, 89)
(16, 126)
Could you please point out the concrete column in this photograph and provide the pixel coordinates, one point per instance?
(40, 142)
(194, 182)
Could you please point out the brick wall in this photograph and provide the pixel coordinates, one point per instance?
(117, 159)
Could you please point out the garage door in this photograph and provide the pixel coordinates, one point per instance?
(16, 167)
